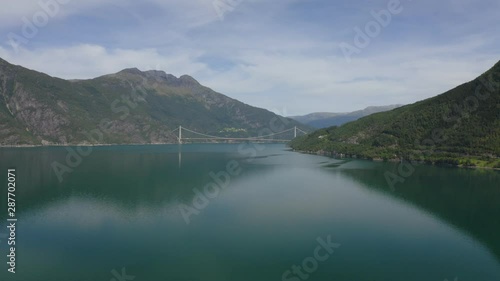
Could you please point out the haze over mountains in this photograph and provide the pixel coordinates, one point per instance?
(320, 120)
(459, 127)
(128, 107)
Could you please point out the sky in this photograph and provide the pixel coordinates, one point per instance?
(292, 57)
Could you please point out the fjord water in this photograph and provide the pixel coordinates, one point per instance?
(118, 212)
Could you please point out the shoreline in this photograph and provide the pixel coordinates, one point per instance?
(379, 160)
(318, 153)
(78, 145)
(115, 144)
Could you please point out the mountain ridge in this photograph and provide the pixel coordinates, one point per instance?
(458, 127)
(327, 119)
(130, 106)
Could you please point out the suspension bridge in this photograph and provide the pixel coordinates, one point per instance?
(193, 136)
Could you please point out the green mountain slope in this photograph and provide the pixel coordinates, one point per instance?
(459, 127)
(123, 108)
(326, 119)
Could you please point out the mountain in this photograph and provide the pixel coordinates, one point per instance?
(127, 107)
(459, 127)
(327, 119)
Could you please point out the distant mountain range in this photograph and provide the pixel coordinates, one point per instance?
(320, 120)
(459, 127)
(127, 107)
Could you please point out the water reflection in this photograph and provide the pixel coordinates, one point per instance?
(467, 199)
(119, 208)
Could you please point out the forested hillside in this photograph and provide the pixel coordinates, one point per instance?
(459, 127)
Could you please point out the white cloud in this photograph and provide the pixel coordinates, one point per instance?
(300, 83)
(305, 84)
(272, 57)
(89, 61)
(13, 15)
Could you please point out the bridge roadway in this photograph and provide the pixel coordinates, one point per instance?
(265, 138)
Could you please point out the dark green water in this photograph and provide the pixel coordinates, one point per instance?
(120, 209)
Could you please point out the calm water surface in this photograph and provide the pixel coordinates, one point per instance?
(120, 210)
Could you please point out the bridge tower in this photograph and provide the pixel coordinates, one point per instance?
(295, 132)
(180, 134)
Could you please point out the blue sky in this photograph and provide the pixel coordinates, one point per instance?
(284, 55)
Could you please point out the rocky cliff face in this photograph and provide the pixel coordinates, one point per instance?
(127, 107)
